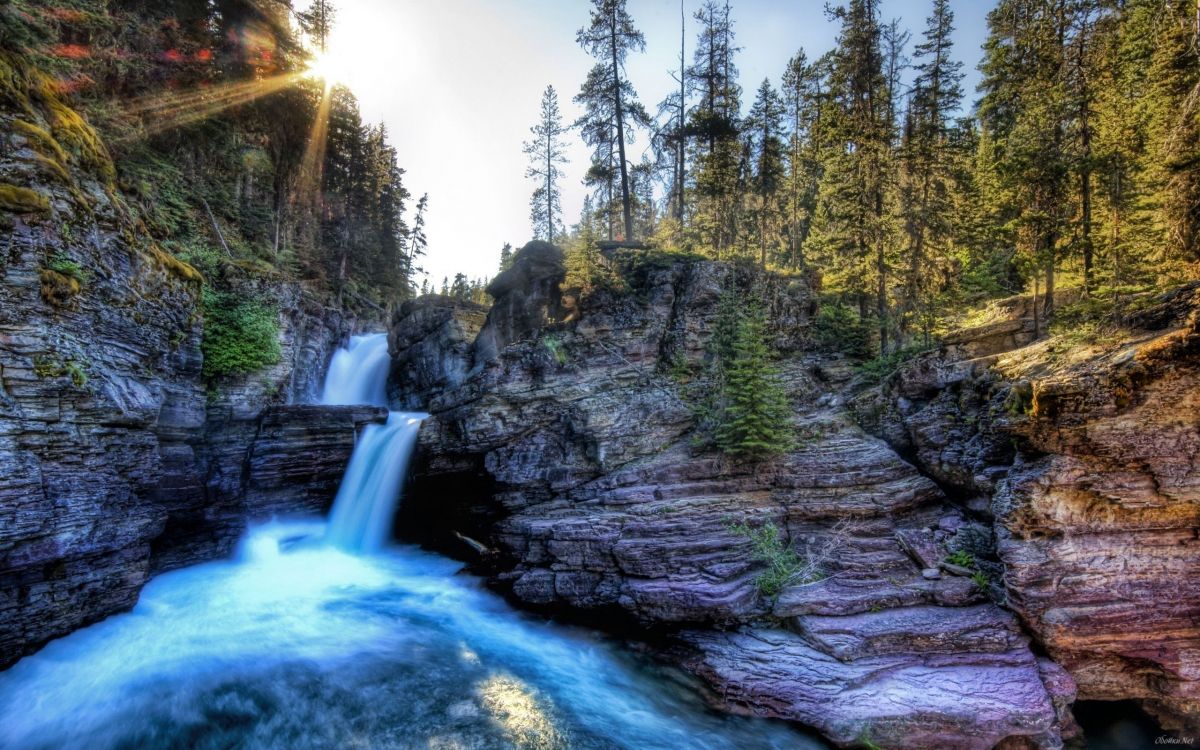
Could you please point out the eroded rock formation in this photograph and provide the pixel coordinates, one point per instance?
(1088, 459)
(578, 441)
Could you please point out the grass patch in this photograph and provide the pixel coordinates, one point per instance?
(961, 558)
(785, 567)
(48, 367)
(61, 264)
(57, 289)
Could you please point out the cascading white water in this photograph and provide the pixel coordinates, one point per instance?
(358, 373)
(366, 501)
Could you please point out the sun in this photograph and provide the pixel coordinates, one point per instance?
(328, 68)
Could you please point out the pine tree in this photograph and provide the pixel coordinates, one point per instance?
(755, 420)
(1173, 157)
(1025, 112)
(317, 22)
(850, 231)
(415, 243)
(714, 129)
(612, 109)
(928, 160)
(671, 137)
(546, 153)
(764, 134)
(802, 101)
(582, 259)
(506, 256)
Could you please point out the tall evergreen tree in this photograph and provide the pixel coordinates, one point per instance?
(1025, 112)
(317, 21)
(546, 153)
(802, 94)
(764, 135)
(928, 160)
(612, 109)
(755, 419)
(1173, 156)
(851, 223)
(714, 128)
(671, 138)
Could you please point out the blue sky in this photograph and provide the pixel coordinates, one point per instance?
(458, 82)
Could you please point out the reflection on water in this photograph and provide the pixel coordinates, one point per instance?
(300, 645)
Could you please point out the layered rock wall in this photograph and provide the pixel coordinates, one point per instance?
(1086, 460)
(117, 461)
(576, 428)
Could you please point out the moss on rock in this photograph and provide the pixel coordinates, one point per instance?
(175, 266)
(22, 200)
(58, 288)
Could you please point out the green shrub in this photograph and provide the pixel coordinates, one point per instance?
(784, 566)
(556, 350)
(980, 579)
(48, 367)
(881, 367)
(69, 268)
(240, 335)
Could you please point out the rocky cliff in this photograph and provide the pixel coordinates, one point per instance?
(1086, 458)
(118, 460)
(569, 436)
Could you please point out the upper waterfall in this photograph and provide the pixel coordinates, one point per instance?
(358, 374)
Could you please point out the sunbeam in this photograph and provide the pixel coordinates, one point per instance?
(162, 113)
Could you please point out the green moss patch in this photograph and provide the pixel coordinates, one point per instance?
(22, 200)
(174, 266)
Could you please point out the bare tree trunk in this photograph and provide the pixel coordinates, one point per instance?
(1048, 307)
(626, 208)
(681, 142)
(1036, 320)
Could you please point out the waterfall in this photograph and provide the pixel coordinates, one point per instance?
(358, 374)
(366, 501)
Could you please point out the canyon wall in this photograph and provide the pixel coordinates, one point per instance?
(118, 459)
(1087, 461)
(571, 431)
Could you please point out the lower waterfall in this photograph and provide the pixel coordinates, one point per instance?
(320, 634)
(362, 513)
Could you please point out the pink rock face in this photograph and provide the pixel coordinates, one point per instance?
(1089, 460)
(1099, 537)
(903, 697)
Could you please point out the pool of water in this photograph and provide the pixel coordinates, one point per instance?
(296, 644)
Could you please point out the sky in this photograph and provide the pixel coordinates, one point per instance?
(458, 84)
